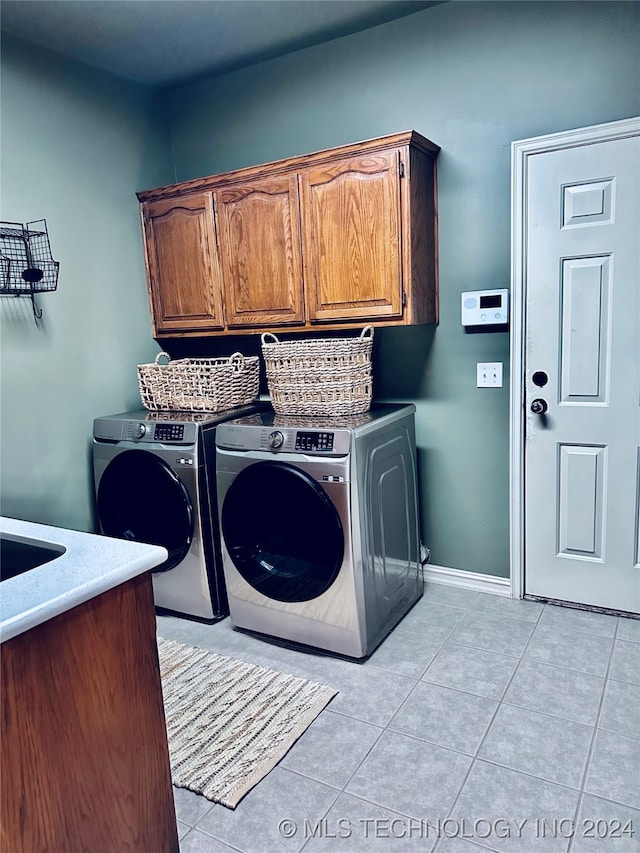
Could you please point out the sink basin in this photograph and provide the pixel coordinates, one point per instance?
(19, 555)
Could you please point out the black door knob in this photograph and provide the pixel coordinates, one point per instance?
(539, 406)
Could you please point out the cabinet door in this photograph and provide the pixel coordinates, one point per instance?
(260, 248)
(182, 264)
(352, 238)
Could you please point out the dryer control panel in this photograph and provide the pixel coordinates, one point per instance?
(168, 432)
(244, 435)
(314, 441)
(310, 442)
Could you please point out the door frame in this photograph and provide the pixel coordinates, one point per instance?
(520, 152)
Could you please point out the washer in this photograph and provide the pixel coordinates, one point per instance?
(154, 476)
(319, 523)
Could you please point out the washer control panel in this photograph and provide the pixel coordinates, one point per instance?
(274, 438)
(149, 428)
(168, 432)
(318, 442)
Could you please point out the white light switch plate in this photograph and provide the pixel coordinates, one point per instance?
(490, 374)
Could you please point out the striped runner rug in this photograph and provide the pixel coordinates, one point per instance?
(229, 722)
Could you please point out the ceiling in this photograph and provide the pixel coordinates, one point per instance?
(166, 42)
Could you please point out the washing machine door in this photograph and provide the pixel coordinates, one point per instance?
(142, 499)
(282, 532)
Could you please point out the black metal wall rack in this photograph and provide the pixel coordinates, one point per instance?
(26, 264)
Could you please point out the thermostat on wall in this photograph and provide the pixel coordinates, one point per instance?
(485, 307)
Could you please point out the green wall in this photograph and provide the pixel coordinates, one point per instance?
(472, 77)
(76, 144)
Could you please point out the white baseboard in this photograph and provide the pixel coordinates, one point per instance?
(467, 580)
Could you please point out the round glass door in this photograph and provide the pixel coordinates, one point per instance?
(142, 499)
(282, 532)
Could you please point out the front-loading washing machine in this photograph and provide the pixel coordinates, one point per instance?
(319, 524)
(155, 482)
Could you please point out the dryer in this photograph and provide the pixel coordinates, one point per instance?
(155, 482)
(319, 524)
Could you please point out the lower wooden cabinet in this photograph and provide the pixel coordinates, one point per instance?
(85, 762)
(333, 239)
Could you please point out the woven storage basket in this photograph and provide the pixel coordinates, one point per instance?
(199, 384)
(322, 376)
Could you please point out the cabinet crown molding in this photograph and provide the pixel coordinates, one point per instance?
(287, 164)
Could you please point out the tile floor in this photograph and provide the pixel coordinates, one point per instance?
(480, 724)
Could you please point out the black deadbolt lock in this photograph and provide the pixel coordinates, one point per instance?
(540, 378)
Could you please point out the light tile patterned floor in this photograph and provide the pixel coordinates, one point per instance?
(480, 724)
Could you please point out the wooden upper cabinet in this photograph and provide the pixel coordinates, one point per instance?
(352, 228)
(182, 264)
(334, 239)
(259, 234)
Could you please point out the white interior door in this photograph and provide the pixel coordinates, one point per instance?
(581, 324)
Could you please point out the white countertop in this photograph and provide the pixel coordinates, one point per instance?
(91, 565)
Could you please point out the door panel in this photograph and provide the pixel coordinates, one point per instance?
(584, 357)
(587, 204)
(352, 238)
(581, 500)
(182, 264)
(582, 314)
(260, 246)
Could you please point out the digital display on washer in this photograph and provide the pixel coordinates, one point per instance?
(168, 432)
(314, 441)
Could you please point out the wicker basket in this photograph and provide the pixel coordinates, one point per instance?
(322, 376)
(199, 384)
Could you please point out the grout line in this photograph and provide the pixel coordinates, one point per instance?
(342, 790)
(418, 680)
(463, 692)
(590, 751)
(562, 668)
(620, 734)
(212, 837)
(547, 714)
(545, 779)
(324, 815)
(489, 651)
(384, 730)
(580, 630)
(475, 758)
(427, 742)
(530, 775)
(389, 669)
(334, 787)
